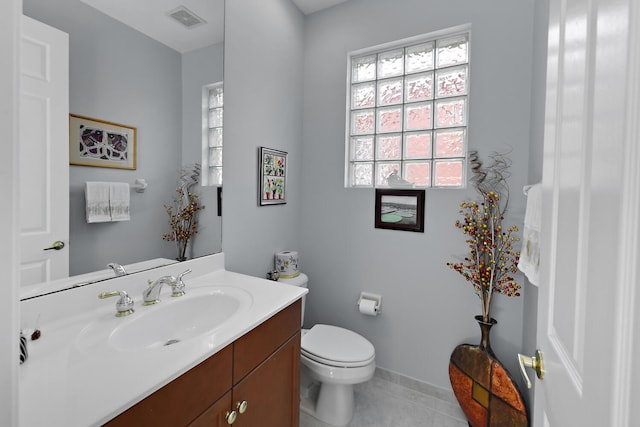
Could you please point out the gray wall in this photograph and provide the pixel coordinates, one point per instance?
(263, 107)
(199, 68)
(119, 75)
(428, 309)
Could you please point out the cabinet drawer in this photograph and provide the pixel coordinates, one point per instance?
(185, 398)
(255, 346)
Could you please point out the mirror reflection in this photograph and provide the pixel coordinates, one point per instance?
(162, 89)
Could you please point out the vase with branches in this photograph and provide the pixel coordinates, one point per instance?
(183, 213)
(492, 260)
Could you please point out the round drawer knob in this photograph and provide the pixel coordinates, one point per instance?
(231, 417)
(241, 406)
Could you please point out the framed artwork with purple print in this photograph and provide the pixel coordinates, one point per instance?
(94, 142)
(273, 177)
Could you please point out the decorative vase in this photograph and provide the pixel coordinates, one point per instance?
(184, 249)
(484, 388)
(485, 333)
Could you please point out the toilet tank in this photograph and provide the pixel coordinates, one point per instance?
(302, 281)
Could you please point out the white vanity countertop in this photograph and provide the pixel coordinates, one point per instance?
(63, 383)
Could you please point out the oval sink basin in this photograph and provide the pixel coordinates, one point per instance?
(173, 320)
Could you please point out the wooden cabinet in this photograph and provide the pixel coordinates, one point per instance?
(216, 415)
(267, 390)
(180, 401)
(260, 368)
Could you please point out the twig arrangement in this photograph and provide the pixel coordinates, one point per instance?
(183, 213)
(492, 260)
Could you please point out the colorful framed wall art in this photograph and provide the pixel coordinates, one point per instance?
(273, 177)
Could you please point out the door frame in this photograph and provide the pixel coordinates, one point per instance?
(9, 250)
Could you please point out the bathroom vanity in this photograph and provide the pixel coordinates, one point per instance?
(253, 381)
(91, 368)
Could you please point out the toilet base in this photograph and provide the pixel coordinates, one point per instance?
(332, 404)
(335, 404)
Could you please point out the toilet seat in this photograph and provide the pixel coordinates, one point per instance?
(335, 346)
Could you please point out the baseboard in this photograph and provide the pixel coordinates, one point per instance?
(416, 385)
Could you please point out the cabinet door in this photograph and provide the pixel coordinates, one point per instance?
(253, 348)
(215, 415)
(272, 390)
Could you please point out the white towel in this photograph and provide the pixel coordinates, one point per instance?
(97, 202)
(119, 201)
(529, 262)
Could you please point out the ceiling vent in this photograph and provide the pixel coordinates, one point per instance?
(186, 17)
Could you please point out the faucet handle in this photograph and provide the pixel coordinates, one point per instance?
(184, 273)
(179, 285)
(124, 305)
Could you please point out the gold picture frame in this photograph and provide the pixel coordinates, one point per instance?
(98, 143)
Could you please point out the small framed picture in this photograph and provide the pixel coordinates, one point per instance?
(273, 177)
(94, 142)
(400, 209)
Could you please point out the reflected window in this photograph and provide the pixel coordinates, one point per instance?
(407, 113)
(212, 138)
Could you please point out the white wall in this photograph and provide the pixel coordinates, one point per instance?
(9, 253)
(199, 68)
(263, 107)
(427, 308)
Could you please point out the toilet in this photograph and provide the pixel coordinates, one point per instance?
(333, 360)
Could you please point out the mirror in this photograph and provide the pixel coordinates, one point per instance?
(117, 74)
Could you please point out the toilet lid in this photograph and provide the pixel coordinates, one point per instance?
(337, 346)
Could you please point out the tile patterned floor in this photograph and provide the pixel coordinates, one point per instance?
(391, 400)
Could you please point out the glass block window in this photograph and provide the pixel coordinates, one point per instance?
(212, 140)
(407, 113)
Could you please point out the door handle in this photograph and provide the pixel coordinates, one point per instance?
(56, 246)
(536, 362)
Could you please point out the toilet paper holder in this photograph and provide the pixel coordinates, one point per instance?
(367, 296)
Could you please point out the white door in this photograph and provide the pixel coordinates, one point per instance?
(44, 152)
(591, 211)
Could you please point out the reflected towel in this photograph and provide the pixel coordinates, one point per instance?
(97, 202)
(119, 201)
(529, 262)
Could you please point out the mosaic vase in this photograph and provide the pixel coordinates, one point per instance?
(484, 388)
